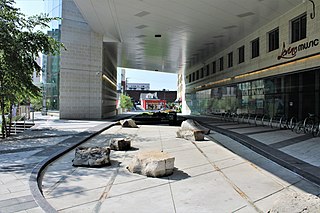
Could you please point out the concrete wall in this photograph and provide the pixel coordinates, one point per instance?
(266, 59)
(82, 88)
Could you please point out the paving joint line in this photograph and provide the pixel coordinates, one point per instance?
(291, 141)
(304, 169)
(263, 131)
(247, 126)
(61, 180)
(37, 172)
(139, 190)
(233, 185)
(77, 205)
(37, 137)
(106, 190)
(26, 149)
(171, 193)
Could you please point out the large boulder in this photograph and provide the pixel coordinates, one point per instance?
(295, 202)
(192, 130)
(152, 164)
(128, 123)
(190, 135)
(120, 144)
(194, 125)
(92, 156)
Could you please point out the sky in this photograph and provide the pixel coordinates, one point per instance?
(157, 80)
(30, 7)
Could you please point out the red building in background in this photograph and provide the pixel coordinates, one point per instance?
(150, 101)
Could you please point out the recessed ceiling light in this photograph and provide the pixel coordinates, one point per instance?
(157, 35)
(230, 27)
(218, 36)
(245, 14)
(141, 14)
(141, 26)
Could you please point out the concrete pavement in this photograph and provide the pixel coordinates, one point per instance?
(297, 152)
(208, 177)
(217, 175)
(20, 154)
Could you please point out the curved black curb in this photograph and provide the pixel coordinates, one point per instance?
(70, 143)
(304, 169)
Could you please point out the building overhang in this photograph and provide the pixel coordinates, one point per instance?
(168, 36)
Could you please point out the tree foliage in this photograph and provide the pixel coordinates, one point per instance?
(36, 103)
(125, 102)
(20, 46)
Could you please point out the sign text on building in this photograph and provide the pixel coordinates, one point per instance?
(291, 51)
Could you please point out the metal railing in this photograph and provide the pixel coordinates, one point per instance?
(309, 125)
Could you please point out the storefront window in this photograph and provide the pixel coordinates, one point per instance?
(291, 95)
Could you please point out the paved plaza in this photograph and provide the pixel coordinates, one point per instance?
(297, 152)
(216, 175)
(20, 154)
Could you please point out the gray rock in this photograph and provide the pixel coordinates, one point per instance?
(152, 164)
(192, 130)
(128, 123)
(120, 144)
(190, 135)
(92, 156)
(296, 202)
(190, 124)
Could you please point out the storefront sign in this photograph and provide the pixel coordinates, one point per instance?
(291, 52)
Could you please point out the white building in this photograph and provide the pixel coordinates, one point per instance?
(138, 86)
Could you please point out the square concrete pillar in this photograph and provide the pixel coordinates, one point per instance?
(84, 94)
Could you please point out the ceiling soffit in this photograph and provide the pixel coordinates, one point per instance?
(188, 31)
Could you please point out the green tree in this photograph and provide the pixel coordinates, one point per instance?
(36, 103)
(125, 102)
(20, 45)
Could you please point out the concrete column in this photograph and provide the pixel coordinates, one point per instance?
(82, 67)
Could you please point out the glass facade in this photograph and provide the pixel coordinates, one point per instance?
(51, 63)
(289, 95)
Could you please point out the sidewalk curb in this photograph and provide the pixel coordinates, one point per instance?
(36, 174)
